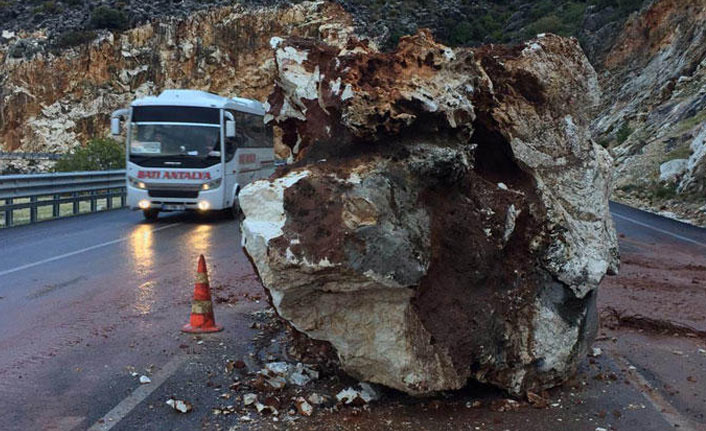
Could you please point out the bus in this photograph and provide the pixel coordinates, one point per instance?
(192, 150)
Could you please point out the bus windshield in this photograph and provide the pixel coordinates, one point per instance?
(159, 140)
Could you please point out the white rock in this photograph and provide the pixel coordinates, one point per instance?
(596, 352)
(179, 405)
(249, 399)
(304, 408)
(672, 170)
(365, 393)
(144, 380)
(280, 368)
(316, 399)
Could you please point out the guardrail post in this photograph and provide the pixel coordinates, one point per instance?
(122, 200)
(94, 201)
(33, 209)
(109, 199)
(8, 213)
(56, 207)
(75, 202)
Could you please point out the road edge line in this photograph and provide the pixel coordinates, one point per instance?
(663, 407)
(674, 235)
(117, 413)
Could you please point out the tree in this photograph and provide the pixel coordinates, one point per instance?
(100, 154)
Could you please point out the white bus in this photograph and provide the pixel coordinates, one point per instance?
(192, 150)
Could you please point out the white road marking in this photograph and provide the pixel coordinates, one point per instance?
(137, 396)
(74, 253)
(674, 235)
(657, 400)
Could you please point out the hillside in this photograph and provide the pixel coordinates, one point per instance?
(65, 23)
(66, 64)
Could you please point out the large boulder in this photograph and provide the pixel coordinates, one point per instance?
(445, 216)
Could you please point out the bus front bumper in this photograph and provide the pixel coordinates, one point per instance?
(205, 200)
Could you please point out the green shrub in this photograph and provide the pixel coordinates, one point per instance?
(73, 38)
(108, 18)
(662, 191)
(99, 154)
(623, 133)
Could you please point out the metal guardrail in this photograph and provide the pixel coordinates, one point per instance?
(4, 155)
(41, 197)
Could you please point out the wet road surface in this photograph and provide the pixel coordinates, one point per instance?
(83, 298)
(86, 301)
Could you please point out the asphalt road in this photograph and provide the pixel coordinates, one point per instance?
(85, 301)
(655, 230)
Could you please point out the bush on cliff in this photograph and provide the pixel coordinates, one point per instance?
(100, 154)
(74, 38)
(108, 18)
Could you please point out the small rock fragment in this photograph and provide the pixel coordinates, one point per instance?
(303, 407)
(365, 394)
(144, 380)
(249, 399)
(179, 405)
(505, 405)
(596, 352)
(316, 399)
(265, 409)
(537, 401)
(279, 368)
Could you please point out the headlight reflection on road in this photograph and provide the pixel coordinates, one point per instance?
(141, 247)
(200, 239)
(142, 250)
(145, 298)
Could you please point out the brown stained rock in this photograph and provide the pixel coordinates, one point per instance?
(446, 215)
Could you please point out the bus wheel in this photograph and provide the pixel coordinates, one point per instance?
(150, 214)
(235, 210)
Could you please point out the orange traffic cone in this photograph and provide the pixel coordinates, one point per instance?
(202, 319)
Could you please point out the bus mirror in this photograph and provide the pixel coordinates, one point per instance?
(230, 129)
(115, 126)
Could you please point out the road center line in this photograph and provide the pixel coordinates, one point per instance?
(674, 235)
(137, 396)
(74, 253)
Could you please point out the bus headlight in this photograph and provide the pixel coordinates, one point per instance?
(204, 205)
(136, 183)
(144, 204)
(211, 184)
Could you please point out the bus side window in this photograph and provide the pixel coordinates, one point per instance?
(249, 129)
(269, 138)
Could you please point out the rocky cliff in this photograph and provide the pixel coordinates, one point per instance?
(653, 116)
(446, 216)
(52, 102)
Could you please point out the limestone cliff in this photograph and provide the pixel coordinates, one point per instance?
(50, 103)
(654, 109)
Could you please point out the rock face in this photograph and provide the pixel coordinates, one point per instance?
(654, 82)
(446, 213)
(52, 103)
